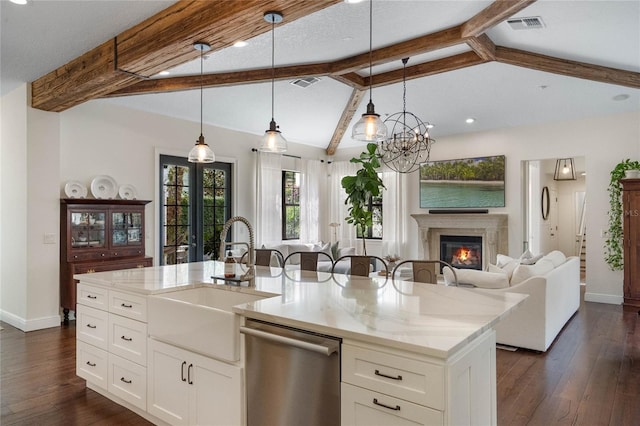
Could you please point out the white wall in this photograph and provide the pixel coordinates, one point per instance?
(30, 205)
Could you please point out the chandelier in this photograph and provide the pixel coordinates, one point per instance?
(409, 143)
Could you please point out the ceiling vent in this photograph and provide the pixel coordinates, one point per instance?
(530, 23)
(305, 82)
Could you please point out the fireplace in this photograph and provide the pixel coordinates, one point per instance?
(492, 228)
(461, 251)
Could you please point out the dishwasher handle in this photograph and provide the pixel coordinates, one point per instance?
(321, 349)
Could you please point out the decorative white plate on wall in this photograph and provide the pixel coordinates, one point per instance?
(128, 192)
(104, 187)
(74, 189)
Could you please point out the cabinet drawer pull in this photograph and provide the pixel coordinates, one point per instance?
(124, 305)
(128, 339)
(122, 379)
(91, 297)
(182, 371)
(189, 374)
(378, 373)
(91, 326)
(91, 364)
(396, 408)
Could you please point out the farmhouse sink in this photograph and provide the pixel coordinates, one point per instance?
(199, 319)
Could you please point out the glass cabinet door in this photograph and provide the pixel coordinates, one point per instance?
(126, 228)
(88, 229)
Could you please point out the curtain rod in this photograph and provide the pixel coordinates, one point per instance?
(293, 156)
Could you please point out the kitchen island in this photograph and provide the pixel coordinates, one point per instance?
(438, 339)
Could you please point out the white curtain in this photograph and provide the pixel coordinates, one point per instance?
(311, 173)
(394, 209)
(346, 233)
(269, 199)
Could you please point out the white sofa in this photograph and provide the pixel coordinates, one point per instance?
(554, 297)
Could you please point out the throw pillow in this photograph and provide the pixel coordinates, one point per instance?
(524, 272)
(530, 260)
(346, 251)
(325, 248)
(334, 250)
(482, 279)
(556, 257)
(496, 269)
(295, 260)
(502, 260)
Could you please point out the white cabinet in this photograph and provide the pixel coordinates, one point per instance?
(111, 347)
(187, 388)
(382, 386)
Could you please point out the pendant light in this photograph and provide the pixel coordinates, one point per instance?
(201, 153)
(370, 127)
(273, 141)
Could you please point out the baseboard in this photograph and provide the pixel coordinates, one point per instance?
(32, 324)
(603, 298)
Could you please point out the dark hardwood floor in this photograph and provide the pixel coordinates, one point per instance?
(589, 376)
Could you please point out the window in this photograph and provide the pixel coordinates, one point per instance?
(374, 232)
(290, 205)
(196, 202)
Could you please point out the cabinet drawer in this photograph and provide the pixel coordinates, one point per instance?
(128, 380)
(395, 375)
(128, 305)
(92, 326)
(96, 297)
(128, 339)
(92, 364)
(86, 255)
(129, 252)
(364, 407)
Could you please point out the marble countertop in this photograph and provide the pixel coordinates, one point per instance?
(429, 319)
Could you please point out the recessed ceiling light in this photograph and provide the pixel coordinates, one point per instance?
(621, 97)
(240, 43)
(353, 1)
(164, 73)
(19, 1)
(470, 120)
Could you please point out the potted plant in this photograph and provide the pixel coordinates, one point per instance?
(360, 188)
(613, 243)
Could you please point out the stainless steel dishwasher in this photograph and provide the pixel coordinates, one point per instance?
(292, 376)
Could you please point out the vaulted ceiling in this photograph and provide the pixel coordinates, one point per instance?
(466, 60)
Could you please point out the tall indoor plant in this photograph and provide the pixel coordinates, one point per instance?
(613, 244)
(360, 188)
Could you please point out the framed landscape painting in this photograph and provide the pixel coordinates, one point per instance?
(463, 183)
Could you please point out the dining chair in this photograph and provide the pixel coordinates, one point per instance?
(308, 260)
(425, 271)
(360, 265)
(264, 257)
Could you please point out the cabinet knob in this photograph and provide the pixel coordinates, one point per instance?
(75, 257)
(102, 255)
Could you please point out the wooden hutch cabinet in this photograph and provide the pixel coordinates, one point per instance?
(631, 245)
(98, 235)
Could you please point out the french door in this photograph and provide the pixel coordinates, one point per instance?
(196, 202)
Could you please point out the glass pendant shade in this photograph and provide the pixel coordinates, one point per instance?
(201, 153)
(370, 127)
(273, 141)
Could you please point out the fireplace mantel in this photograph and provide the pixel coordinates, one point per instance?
(492, 228)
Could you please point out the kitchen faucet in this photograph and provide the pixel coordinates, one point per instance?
(250, 274)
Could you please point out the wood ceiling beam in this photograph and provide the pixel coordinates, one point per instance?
(427, 43)
(483, 46)
(567, 67)
(158, 43)
(351, 79)
(347, 115)
(425, 69)
(175, 84)
(492, 15)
